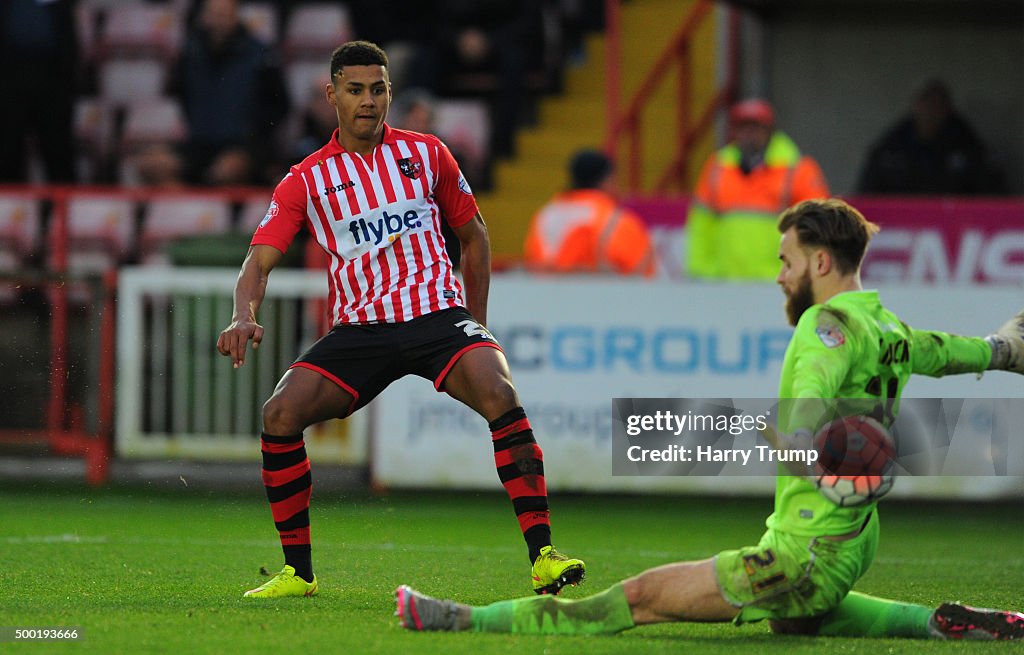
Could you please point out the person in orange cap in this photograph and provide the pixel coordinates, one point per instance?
(730, 228)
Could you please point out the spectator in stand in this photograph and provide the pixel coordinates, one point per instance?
(234, 97)
(730, 228)
(405, 28)
(932, 150)
(39, 50)
(484, 48)
(158, 165)
(317, 122)
(585, 230)
(416, 110)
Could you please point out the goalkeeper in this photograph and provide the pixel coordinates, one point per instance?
(800, 575)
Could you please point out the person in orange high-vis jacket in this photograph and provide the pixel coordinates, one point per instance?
(585, 230)
(730, 227)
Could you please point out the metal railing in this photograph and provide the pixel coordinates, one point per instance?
(64, 430)
(625, 124)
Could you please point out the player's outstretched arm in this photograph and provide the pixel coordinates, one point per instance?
(1008, 346)
(249, 292)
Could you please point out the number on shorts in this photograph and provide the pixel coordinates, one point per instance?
(761, 560)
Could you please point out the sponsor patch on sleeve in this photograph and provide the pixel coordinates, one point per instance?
(271, 213)
(830, 335)
(464, 185)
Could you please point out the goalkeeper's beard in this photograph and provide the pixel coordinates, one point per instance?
(800, 300)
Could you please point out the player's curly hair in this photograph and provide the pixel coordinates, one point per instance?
(834, 225)
(357, 53)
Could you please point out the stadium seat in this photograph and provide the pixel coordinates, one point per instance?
(141, 30)
(123, 81)
(253, 212)
(261, 19)
(20, 221)
(159, 119)
(300, 76)
(166, 219)
(464, 125)
(315, 30)
(101, 233)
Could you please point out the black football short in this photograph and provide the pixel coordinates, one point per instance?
(364, 359)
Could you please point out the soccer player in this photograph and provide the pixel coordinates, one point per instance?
(375, 198)
(800, 575)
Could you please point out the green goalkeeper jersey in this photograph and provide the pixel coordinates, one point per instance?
(853, 347)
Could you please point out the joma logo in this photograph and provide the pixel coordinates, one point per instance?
(341, 187)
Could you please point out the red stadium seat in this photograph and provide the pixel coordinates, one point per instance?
(124, 81)
(141, 30)
(101, 232)
(167, 219)
(314, 30)
(159, 119)
(301, 76)
(20, 222)
(464, 125)
(253, 212)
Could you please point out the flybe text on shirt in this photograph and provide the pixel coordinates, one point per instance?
(385, 227)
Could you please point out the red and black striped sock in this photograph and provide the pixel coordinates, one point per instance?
(520, 464)
(287, 479)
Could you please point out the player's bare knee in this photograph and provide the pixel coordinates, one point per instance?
(639, 593)
(495, 399)
(281, 417)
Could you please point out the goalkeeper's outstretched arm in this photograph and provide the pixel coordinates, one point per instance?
(937, 354)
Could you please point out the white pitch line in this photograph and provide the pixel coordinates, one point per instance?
(55, 539)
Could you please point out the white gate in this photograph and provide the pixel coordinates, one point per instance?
(178, 397)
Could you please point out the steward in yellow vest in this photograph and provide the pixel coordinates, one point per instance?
(730, 228)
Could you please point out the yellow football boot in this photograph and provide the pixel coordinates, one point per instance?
(285, 583)
(553, 570)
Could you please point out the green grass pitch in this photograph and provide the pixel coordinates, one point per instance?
(147, 572)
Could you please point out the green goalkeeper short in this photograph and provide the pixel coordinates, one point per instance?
(786, 576)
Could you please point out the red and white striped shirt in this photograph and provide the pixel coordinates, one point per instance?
(378, 217)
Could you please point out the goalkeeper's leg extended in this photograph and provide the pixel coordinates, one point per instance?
(684, 591)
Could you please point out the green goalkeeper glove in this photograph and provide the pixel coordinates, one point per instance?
(1008, 346)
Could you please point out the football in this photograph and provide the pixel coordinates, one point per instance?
(856, 461)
